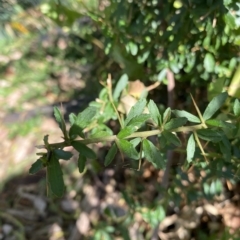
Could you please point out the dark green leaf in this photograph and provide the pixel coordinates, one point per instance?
(190, 148)
(122, 83)
(84, 150)
(175, 123)
(189, 116)
(60, 120)
(209, 62)
(210, 135)
(214, 105)
(61, 154)
(154, 112)
(81, 162)
(127, 148)
(111, 154)
(220, 123)
(76, 131)
(136, 110)
(152, 154)
(172, 138)
(37, 166)
(55, 177)
(236, 108)
(86, 116)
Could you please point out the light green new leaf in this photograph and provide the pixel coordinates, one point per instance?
(60, 120)
(175, 123)
(172, 138)
(189, 116)
(55, 177)
(37, 166)
(84, 150)
(214, 105)
(190, 148)
(154, 112)
(209, 62)
(210, 135)
(236, 108)
(110, 155)
(127, 148)
(122, 83)
(61, 154)
(136, 110)
(152, 154)
(81, 162)
(220, 123)
(86, 116)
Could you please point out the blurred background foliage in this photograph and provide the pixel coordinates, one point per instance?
(53, 51)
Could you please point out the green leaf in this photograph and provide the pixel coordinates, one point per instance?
(55, 177)
(60, 120)
(152, 154)
(100, 133)
(175, 123)
(110, 155)
(220, 123)
(84, 150)
(225, 148)
(37, 166)
(135, 141)
(136, 110)
(166, 115)
(138, 121)
(236, 108)
(162, 74)
(230, 20)
(127, 148)
(172, 138)
(72, 118)
(133, 48)
(45, 140)
(122, 83)
(86, 116)
(81, 162)
(209, 62)
(190, 148)
(154, 112)
(76, 131)
(126, 131)
(61, 154)
(214, 105)
(189, 116)
(210, 135)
